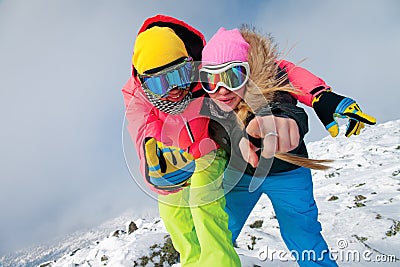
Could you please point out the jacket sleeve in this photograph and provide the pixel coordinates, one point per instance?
(142, 121)
(307, 83)
(142, 118)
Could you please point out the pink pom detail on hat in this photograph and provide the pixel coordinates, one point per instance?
(225, 46)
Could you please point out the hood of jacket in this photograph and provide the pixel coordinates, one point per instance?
(193, 39)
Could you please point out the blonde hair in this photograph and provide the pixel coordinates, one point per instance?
(265, 83)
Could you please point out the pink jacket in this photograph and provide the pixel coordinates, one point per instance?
(144, 120)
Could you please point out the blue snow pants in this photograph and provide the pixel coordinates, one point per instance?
(291, 195)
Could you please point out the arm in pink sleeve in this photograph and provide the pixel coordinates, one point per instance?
(142, 122)
(141, 116)
(307, 83)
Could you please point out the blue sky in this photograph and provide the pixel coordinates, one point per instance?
(63, 64)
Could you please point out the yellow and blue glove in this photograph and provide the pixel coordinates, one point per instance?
(167, 167)
(329, 105)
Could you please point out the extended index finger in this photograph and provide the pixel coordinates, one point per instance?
(248, 152)
(363, 117)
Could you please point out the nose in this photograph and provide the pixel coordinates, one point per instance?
(223, 91)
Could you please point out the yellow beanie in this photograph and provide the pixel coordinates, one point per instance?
(157, 47)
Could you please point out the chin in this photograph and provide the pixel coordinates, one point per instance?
(225, 107)
(228, 106)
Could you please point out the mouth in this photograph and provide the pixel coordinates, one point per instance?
(178, 95)
(226, 101)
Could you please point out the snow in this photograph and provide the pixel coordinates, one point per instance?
(358, 201)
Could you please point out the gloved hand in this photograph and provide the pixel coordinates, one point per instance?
(167, 167)
(329, 105)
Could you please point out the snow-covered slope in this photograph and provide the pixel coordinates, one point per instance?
(358, 200)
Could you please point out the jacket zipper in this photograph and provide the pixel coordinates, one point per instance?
(188, 129)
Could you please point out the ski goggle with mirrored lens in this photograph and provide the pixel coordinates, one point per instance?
(231, 75)
(179, 76)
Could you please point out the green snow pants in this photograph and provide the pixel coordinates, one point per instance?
(195, 217)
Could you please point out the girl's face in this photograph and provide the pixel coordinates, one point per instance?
(225, 83)
(226, 99)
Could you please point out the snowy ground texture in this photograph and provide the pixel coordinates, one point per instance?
(358, 200)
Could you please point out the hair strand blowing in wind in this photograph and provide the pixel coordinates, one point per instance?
(266, 80)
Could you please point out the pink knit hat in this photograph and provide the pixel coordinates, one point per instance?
(225, 46)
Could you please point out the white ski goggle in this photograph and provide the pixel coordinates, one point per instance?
(231, 75)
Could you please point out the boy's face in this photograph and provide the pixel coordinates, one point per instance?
(170, 82)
